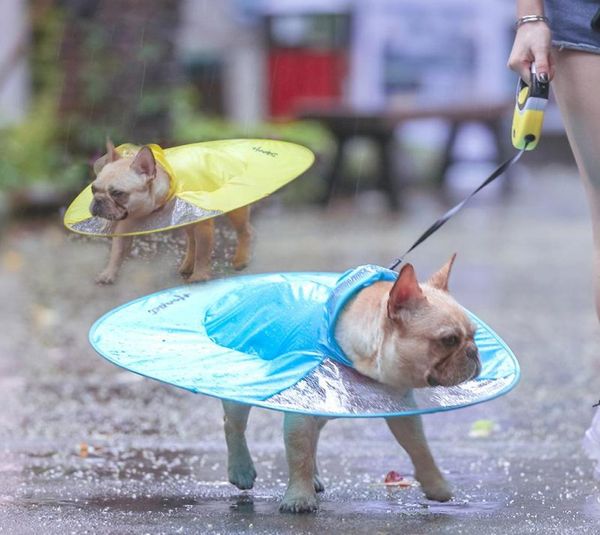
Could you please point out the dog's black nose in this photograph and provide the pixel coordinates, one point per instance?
(472, 352)
(431, 381)
(94, 207)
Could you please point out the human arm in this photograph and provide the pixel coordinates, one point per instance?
(532, 43)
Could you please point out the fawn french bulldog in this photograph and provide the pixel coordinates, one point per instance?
(127, 189)
(403, 334)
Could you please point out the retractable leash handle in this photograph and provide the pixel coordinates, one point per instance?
(526, 130)
(528, 116)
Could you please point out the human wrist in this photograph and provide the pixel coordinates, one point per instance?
(531, 19)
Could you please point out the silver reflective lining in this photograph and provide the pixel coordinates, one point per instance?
(175, 213)
(333, 389)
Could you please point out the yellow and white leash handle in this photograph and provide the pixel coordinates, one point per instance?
(528, 116)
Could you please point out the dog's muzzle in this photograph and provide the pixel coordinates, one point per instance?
(472, 353)
(431, 380)
(97, 210)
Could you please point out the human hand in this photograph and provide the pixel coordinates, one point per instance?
(532, 44)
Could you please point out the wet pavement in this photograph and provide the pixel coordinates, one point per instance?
(89, 448)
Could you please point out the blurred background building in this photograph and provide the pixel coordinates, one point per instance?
(387, 76)
(365, 54)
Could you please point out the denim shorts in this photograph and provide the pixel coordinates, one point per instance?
(570, 23)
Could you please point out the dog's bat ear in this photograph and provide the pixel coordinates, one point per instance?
(99, 164)
(110, 156)
(144, 163)
(111, 152)
(439, 279)
(406, 292)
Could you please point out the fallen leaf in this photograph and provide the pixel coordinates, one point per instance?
(482, 428)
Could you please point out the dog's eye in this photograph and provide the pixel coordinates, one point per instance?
(94, 189)
(117, 193)
(452, 340)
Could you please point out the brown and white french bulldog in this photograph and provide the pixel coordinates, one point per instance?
(127, 189)
(403, 334)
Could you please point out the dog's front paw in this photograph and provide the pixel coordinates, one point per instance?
(106, 277)
(200, 275)
(299, 501)
(242, 475)
(438, 490)
(186, 269)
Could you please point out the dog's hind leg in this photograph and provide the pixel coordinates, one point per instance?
(204, 237)
(319, 487)
(301, 433)
(240, 468)
(240, 220)
(187, 265)
(408, 431)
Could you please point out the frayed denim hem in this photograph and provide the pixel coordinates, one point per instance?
(562, 45)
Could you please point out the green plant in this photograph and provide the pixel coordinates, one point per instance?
(31, 150)
(31, 153)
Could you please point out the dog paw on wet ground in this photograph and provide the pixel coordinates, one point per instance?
(299, 501)
(242, 476)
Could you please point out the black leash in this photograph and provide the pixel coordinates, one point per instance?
(450, 213)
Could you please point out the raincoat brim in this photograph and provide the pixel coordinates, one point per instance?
(210, 179)
(241, 339)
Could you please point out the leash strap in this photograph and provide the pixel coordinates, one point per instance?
(453, 211)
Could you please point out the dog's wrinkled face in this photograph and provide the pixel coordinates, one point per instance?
(123, 187)
(428, 338)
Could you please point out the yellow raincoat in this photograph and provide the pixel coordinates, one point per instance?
(207, 179)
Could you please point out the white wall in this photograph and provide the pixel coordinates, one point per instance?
(471, 40)
(211, 27)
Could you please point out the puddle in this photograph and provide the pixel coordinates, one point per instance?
(425, 507)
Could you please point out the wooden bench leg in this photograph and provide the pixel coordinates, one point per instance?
(447, 157)
(503, 152)
(387, 177)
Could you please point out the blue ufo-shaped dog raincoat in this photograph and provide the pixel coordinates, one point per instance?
(267, 340)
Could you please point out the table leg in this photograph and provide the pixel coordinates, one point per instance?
(503, 152)
(447, 157)
(387, 179)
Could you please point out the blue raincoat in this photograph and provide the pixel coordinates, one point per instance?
(268, 340)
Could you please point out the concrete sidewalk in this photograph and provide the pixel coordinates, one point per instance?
(89, 448)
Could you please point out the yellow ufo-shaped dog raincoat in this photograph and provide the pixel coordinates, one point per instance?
(207, 179)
